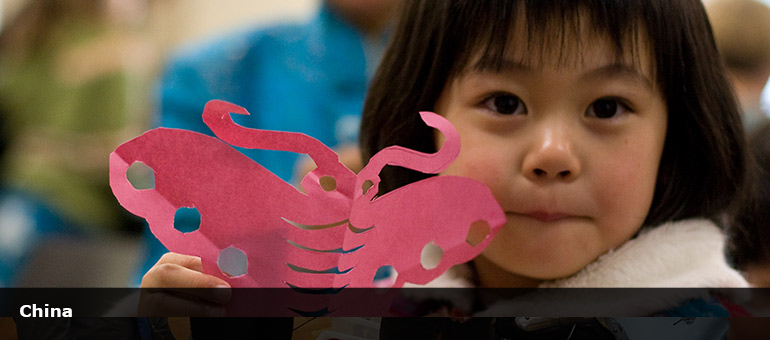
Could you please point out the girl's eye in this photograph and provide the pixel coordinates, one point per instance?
(607, 108)
(505, 104)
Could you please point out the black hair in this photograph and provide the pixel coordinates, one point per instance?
(703, 164)
(749, 232)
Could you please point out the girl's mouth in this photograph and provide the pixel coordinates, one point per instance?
(546, 216)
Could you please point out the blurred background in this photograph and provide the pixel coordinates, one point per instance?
(77, 79)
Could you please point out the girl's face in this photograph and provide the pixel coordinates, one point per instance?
(569, 150)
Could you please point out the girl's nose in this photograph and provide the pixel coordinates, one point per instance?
(552, 157)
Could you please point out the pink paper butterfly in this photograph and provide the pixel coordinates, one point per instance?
(336, 234)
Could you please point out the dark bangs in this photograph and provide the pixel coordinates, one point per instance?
(551, 32)
(703, 163)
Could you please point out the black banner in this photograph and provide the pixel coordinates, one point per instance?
(384, 302)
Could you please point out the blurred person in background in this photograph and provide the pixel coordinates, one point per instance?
(742, 32)
(75, 77)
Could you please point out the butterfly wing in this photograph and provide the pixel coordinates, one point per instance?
(439, 211)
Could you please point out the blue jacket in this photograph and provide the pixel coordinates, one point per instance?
(309, 78)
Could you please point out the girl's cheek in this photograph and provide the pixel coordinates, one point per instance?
(627, 187)
(480, 165)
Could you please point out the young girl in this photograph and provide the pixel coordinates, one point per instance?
(606, 131)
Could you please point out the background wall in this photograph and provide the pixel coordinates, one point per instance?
(181, 21)
(195, 19)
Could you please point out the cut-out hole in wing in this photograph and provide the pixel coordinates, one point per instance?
(328, 183)
(477, 232)
(233, 262)
(141, 176)
(187, 220)
(431, 256)
(385, 277)
(366, 186)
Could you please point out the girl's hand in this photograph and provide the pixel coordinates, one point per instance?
(159, 298)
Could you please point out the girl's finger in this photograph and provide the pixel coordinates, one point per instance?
(187, 261)
(182, 280)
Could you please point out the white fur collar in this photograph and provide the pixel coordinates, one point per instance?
(685, 254)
